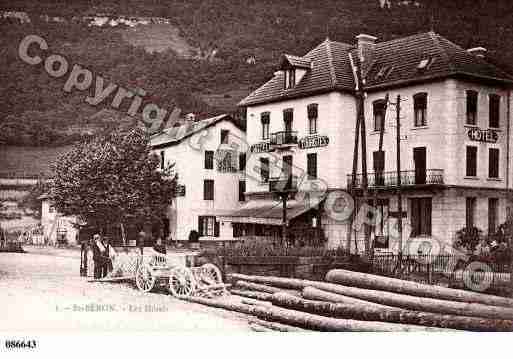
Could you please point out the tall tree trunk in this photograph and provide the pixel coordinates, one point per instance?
(306, 320)
(372, 281)
(318, 302)
(390, 299)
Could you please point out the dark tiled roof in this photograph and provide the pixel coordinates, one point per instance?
(174, 135)
(393, 63)
(322, 76)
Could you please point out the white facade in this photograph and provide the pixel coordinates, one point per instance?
(188, 155)
(445, 138)
(54, 224)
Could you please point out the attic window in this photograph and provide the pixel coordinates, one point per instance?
(290, 78)
(424, 64)
(384, 72)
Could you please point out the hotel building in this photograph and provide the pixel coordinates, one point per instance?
(455, 123)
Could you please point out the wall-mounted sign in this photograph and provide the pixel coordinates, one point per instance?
(477, 134)
(260, 147)
(180, 190)
(313, 141)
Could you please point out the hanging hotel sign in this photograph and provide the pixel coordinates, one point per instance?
(260, 147)
(180, 190)
(477, 134)
(313, 141)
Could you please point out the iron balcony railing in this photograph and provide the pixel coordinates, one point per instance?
(280, 184)
(408, 178)
(283, 138)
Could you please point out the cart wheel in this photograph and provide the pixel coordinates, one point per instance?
(210, 274)
(144, 278)
(181, 282)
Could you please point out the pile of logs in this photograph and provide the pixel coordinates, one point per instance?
(353, 301)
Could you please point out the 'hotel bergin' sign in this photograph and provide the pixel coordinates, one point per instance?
(477, 134)
(313, 141)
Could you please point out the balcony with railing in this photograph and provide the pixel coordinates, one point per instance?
(283, 139)
(408, 178)
(281, 184)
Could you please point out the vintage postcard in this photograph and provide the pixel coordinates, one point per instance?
(255, 166)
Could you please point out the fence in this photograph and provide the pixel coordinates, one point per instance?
(446, 268)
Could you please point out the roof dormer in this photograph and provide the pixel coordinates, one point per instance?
(293, 68)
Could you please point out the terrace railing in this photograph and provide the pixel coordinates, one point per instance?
(408, 178)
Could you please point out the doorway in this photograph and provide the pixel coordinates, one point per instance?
(419, 157)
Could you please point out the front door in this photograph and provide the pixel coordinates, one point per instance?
(419, 157)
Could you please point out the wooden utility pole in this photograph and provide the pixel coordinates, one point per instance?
(399, 196)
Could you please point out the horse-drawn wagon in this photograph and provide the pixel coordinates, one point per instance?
(173, 272)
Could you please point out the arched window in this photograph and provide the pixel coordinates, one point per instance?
(420, 109)
(379, 109)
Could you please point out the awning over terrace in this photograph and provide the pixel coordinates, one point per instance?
(266, 211)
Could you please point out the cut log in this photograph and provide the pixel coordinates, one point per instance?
(388, 314)
(252, 294)
(260, 328)
(277, 326)
(307, 320)
(371, 281)
(257, 287)
(312, 293)
(391, 299)
(254, 302)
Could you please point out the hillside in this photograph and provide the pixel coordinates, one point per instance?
(202, 56)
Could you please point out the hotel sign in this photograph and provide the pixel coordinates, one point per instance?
(180, 190)
(477, 134)
(260, 147)
(313, 141)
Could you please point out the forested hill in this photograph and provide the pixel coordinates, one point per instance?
(200, 55)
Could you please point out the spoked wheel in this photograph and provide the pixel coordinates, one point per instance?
(210, 274)
(144, 279)
(181, 282)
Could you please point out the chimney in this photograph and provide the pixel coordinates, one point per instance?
(478, 51)
(365, 44)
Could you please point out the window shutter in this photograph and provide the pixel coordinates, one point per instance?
(312, 165)
(312, 110)
(379, 161)
(415, 214)
(216, 228)
(200, 225)
(471, 161)
(494, 110)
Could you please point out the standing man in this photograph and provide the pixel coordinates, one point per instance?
(99, 254)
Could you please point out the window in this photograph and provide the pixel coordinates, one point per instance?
(264, 169)
(226, 161)
(224, 137)
(379, 110)
(420, 109)
(162, 160)
(209, 160)
(265, 118)
(311, 165)
(312, 118)
(242, 161)
(239, 230)
(242, 190)
(421, 217)
(381, 224)
(494, 111)
(288, 117)
(493, 208)
(471, 161)
(470, 209)
(208, 226)
(471, 107)
(208, 190)
(51, 209)
(290, 78)
(493, 163)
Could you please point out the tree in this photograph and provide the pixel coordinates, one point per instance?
(112, 180)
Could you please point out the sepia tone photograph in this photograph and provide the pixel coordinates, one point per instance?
(224, 166)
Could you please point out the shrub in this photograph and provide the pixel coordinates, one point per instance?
(468, 238)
